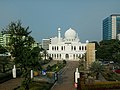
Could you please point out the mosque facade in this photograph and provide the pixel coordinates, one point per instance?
(70, 48)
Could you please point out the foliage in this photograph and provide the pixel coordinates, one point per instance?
(5, 76)
(2, 50)
(64, 62)
(38, 86)
(82, 62)
(4, 60)
(111, 76)
(21, 49)
(48, 68)
(109, 50)
(101, 86)
(97, 68)
(55, 67)
(96, 44)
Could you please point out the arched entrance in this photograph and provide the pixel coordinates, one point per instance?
(67, 56)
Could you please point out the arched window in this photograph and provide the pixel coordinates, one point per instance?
(52, 48)
(73, 56)
(74, 47)
(57, 47)
(60, 56)
(76, 55)
(85, 48)
(62, 48)
(79, 47)
(57, 56)
(67, 56)
(71, 47)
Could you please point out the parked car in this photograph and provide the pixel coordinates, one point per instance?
(117, 71)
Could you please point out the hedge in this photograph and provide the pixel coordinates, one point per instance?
(100, 86)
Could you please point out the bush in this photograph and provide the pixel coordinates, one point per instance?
(111, 76)
(101, 86)
(55, 67)
(64, 62)
(37, 86)
(48, 68)
(5, 77)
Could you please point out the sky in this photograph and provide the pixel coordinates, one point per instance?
(44, 17)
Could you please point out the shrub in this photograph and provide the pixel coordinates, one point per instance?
(101, 86)
(37, 86)
(111, 76)
(5, 77)
(64, 62)
(48, 68)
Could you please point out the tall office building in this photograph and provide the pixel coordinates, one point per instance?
(111, 27)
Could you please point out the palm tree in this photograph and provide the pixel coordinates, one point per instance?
(82, 61)
(97, 68)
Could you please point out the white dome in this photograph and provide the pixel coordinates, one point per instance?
(70, 34)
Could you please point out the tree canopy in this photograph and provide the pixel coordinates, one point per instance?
(2, 50)
(97, 68)
(21, 49)
(109, 50)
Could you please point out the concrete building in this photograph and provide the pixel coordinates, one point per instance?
(90, 53)
(45, 43)
(118, 36)
(1, 39)
(4, 39)
(111, 27)
(70, 48)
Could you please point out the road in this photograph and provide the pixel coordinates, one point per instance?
(66, 77)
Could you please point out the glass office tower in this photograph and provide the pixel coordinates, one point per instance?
(111, 27)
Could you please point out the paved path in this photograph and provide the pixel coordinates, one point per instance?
(11, 84)
(66, 77)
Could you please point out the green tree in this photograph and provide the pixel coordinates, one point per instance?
(2, 50)
(82, 62)
(36, 58)
(21, 49)
(109, 50)
(4, 60)
(96, 44)
(97, 68)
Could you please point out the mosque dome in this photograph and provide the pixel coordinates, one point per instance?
(70, 34)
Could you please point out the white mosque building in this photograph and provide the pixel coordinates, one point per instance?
(70, 48)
